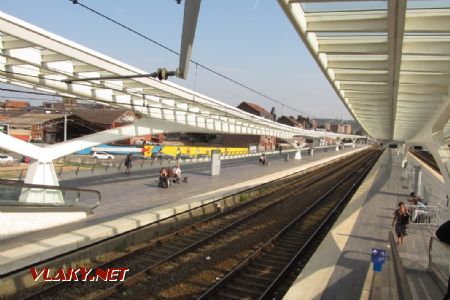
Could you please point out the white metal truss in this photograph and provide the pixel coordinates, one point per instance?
(389, 62)
(35, 58)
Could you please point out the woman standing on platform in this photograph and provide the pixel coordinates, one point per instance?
(401, 219)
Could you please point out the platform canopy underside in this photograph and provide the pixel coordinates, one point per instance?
(389, 61)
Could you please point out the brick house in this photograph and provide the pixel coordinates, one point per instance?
(33, 127)
(263, 142)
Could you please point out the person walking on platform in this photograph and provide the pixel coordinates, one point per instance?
(443, 234)
(401, 220)
(128, 163)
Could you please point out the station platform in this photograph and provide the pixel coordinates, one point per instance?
(341, 267)
(132, 201)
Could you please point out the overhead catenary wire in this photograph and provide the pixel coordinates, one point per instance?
(195, 62)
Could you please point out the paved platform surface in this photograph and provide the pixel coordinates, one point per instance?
(341, 268)
(130, 201)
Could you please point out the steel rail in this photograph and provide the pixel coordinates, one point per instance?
(270, 290)
(214, 289)
(428, 160)
(131, 280)
(303, 174)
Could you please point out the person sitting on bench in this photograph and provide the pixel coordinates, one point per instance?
(177, 173)
(164, 178)
(262, 159)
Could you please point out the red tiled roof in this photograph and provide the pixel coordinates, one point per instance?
(16, 104)
(255, 107)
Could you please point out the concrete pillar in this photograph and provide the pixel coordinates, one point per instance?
(215, 163)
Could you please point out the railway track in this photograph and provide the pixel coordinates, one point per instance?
(147, 260)
(260, 275)
(427, 158)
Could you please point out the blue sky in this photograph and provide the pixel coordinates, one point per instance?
(250, 41)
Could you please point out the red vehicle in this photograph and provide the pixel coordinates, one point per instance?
(26, 159)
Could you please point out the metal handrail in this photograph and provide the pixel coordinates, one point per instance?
(21, 184)
(404, 291)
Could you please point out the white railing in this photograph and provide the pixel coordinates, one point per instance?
(423, 214)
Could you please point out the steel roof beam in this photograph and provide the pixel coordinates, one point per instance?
(368, 21)
(426, 45)
(396, 23)
(358, 64)
(422, 89)
(362, 48)
(376, 88)
(422, 20)
(431, 78)
(362, 77)
(421, 98)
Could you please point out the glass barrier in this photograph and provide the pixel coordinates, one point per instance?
(17, 193)
(439, 255)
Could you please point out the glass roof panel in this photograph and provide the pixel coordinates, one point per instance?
(412, 4)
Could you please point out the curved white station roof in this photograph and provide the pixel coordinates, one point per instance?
(389, 61)
(35, 58)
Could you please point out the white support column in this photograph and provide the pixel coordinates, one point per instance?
(42, 173)
(405, 153)
(441, 153)
(338, 141)
(298, 154)
(353, 143)
(432, 137)
(399, 149)
(418, 180)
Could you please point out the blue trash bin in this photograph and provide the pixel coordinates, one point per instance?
(377, 266)
(378, 257)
